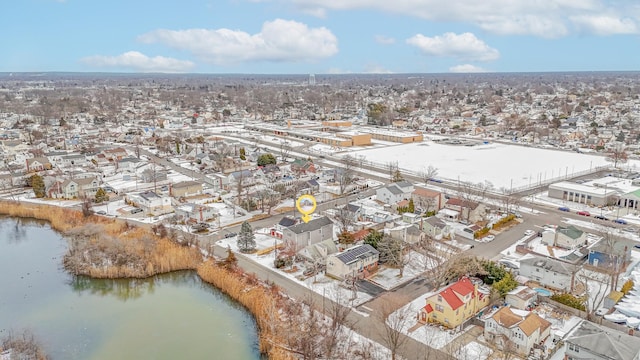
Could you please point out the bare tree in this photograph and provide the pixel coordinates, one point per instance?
(428, 174)
(393, 252)
(597, 285)
(346, 175)
(391, 167)
(394, 322)
(617, 155)
(285, 149)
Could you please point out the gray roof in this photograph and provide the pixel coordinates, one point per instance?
(404, 184)
(547, 264)
(312, 225)
(435, 222)
(570, 231)
(394, 189)
(356, 253)
(610, 343)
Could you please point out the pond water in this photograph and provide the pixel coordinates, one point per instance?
(171, 316)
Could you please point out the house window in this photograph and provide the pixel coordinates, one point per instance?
(439, 308)
(439, 298)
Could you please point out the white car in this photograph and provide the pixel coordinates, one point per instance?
(529, 232)
(488, 238)
(601, 311)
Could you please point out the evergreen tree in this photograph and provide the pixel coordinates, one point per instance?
(397, 176)
(246, 238)
(243, 154)
(373, 238)
(266, 159)
(101, 196)
(411, 208)
(37, 183)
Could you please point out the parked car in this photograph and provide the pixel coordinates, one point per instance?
(529, 232)
(620, 221)
(488, 238)
(584, 213)
(101, 212)
(600, 217)
(229, 235)
(136, 210)
(564, 208)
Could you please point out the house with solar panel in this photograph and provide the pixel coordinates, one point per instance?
(456, 303)
(359, 261)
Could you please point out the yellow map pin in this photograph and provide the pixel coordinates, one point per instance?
(306, 204)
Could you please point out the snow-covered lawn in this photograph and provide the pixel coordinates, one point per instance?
(473, 351)
(478, 163)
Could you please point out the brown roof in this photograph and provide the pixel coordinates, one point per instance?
(505, 317)
(528, 324)
(462, 203)
(533, 322)
(422, 192)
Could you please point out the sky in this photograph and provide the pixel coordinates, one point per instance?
(320, 36)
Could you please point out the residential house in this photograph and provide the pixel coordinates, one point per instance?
(115, 155)
(469, 210)
(566, 237)
(194, 213)
(242, 176)
(38, 164)
(435, 227)
(516, 331)
(409, 233)
(427, 200)
(73, 160)
(185, 188)
(317, 253)
(358, 261)
(611, 253)
(302, 167)
(304, 234)
(394, 192)
(454, 304)
(150, 175)
(594, 342)
(551, 273)
(521, 298)
(128, 164)
(150, 202)
(73, 188)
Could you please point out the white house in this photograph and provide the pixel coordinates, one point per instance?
(516, 330)
(521, 297)
(395, 192)
(548, 272)
(150, 202)
(358, 261)
(566, 237)
(590, 341)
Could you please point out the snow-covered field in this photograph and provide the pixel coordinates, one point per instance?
(498, 163)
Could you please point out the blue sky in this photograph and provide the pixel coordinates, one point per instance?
(320, 36)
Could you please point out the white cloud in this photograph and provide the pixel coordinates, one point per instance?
(466, 68)
(137, 61)
(465, 46)
(548, 18)
(278, 40)
(605, 24)
(384, 40)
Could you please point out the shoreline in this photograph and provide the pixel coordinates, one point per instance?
(163, 256)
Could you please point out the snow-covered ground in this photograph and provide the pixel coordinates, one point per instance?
(477, 163)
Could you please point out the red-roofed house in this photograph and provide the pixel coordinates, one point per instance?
(455, 303)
